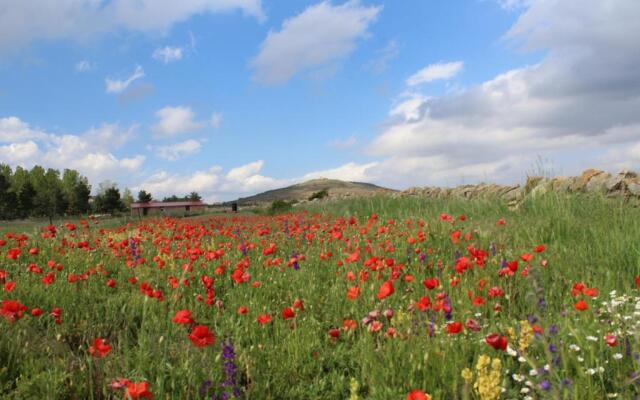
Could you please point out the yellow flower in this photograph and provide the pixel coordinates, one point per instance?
(353, 389)
(526, 335)
(489, 378)
(467, 375)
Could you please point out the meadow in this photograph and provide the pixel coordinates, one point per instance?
(380, 298)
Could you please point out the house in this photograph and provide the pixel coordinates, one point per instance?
(174, 208)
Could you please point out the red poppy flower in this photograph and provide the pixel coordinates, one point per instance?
(386, 290)
(349, 324)
(431, 283)
(288, 313)
(36, 312)
(611, 340)
(472, 325)
(242, 310)
(418, 394)
(9, 286)
(12, 310)
(182, 317)
(298, 304)
(100, 348)
(264, 319)
(496, 341)
(353, 292)
(454, 327)
(581, 305)
(334, 333)
(539, 248)
(201, 337)
(526, 257)
(138, 390)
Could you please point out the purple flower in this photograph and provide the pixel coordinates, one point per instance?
(545, 385)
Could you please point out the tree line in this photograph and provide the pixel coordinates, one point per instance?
(48, 193)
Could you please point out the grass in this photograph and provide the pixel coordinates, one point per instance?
(589, 240)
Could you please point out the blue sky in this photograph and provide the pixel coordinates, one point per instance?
(232, 97)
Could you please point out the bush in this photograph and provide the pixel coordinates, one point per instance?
(319, 195)
(280, 206)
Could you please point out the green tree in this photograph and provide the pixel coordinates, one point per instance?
(127, 198)
(76, 191)
(144, 196)
(26, 196)
(194, 196)
(108, 199)
(7, 199)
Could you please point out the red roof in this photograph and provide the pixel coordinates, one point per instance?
(166, 204)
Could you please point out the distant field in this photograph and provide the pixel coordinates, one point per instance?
(359, 299)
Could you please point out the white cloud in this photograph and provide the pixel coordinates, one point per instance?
(435, 72)
(25, 21)
(83, 66)
(12, 129)
(352, 172)
(88, 152)
(213, 184)
(176, 120)
(119, 86)
(216, 120)
(19, 153)
(177, 151)
(168, 54)
(579, 104)
(321, 34)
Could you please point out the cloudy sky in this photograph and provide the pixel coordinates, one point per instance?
(233, 97)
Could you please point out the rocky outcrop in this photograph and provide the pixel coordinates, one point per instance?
(625, 184)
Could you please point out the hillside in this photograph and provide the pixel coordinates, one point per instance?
(302, 191)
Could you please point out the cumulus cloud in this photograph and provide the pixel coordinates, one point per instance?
(173, 121)
(26, 21)
(176, 151)
(435, 72)
(89, 152)
(213, 183)
(119, 86)
(167, 54)
(321, 34)
(579, 101)
(12, 129)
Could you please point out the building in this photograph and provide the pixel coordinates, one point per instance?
(173, 208)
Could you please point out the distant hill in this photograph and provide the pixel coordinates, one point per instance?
(303, 191)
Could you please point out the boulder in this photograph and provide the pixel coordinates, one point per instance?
(532, 182)
(598, 183)
(581, 182)
(633, 188)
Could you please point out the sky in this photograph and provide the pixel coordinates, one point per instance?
(233, 97)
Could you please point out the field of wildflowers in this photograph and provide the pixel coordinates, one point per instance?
(377, 298)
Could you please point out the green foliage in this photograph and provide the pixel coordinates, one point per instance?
(144, 197)
(319, 195)
(109, 201)
(193, 196)
(42, 193)
(279, 207)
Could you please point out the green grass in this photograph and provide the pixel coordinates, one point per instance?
(591, 240)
